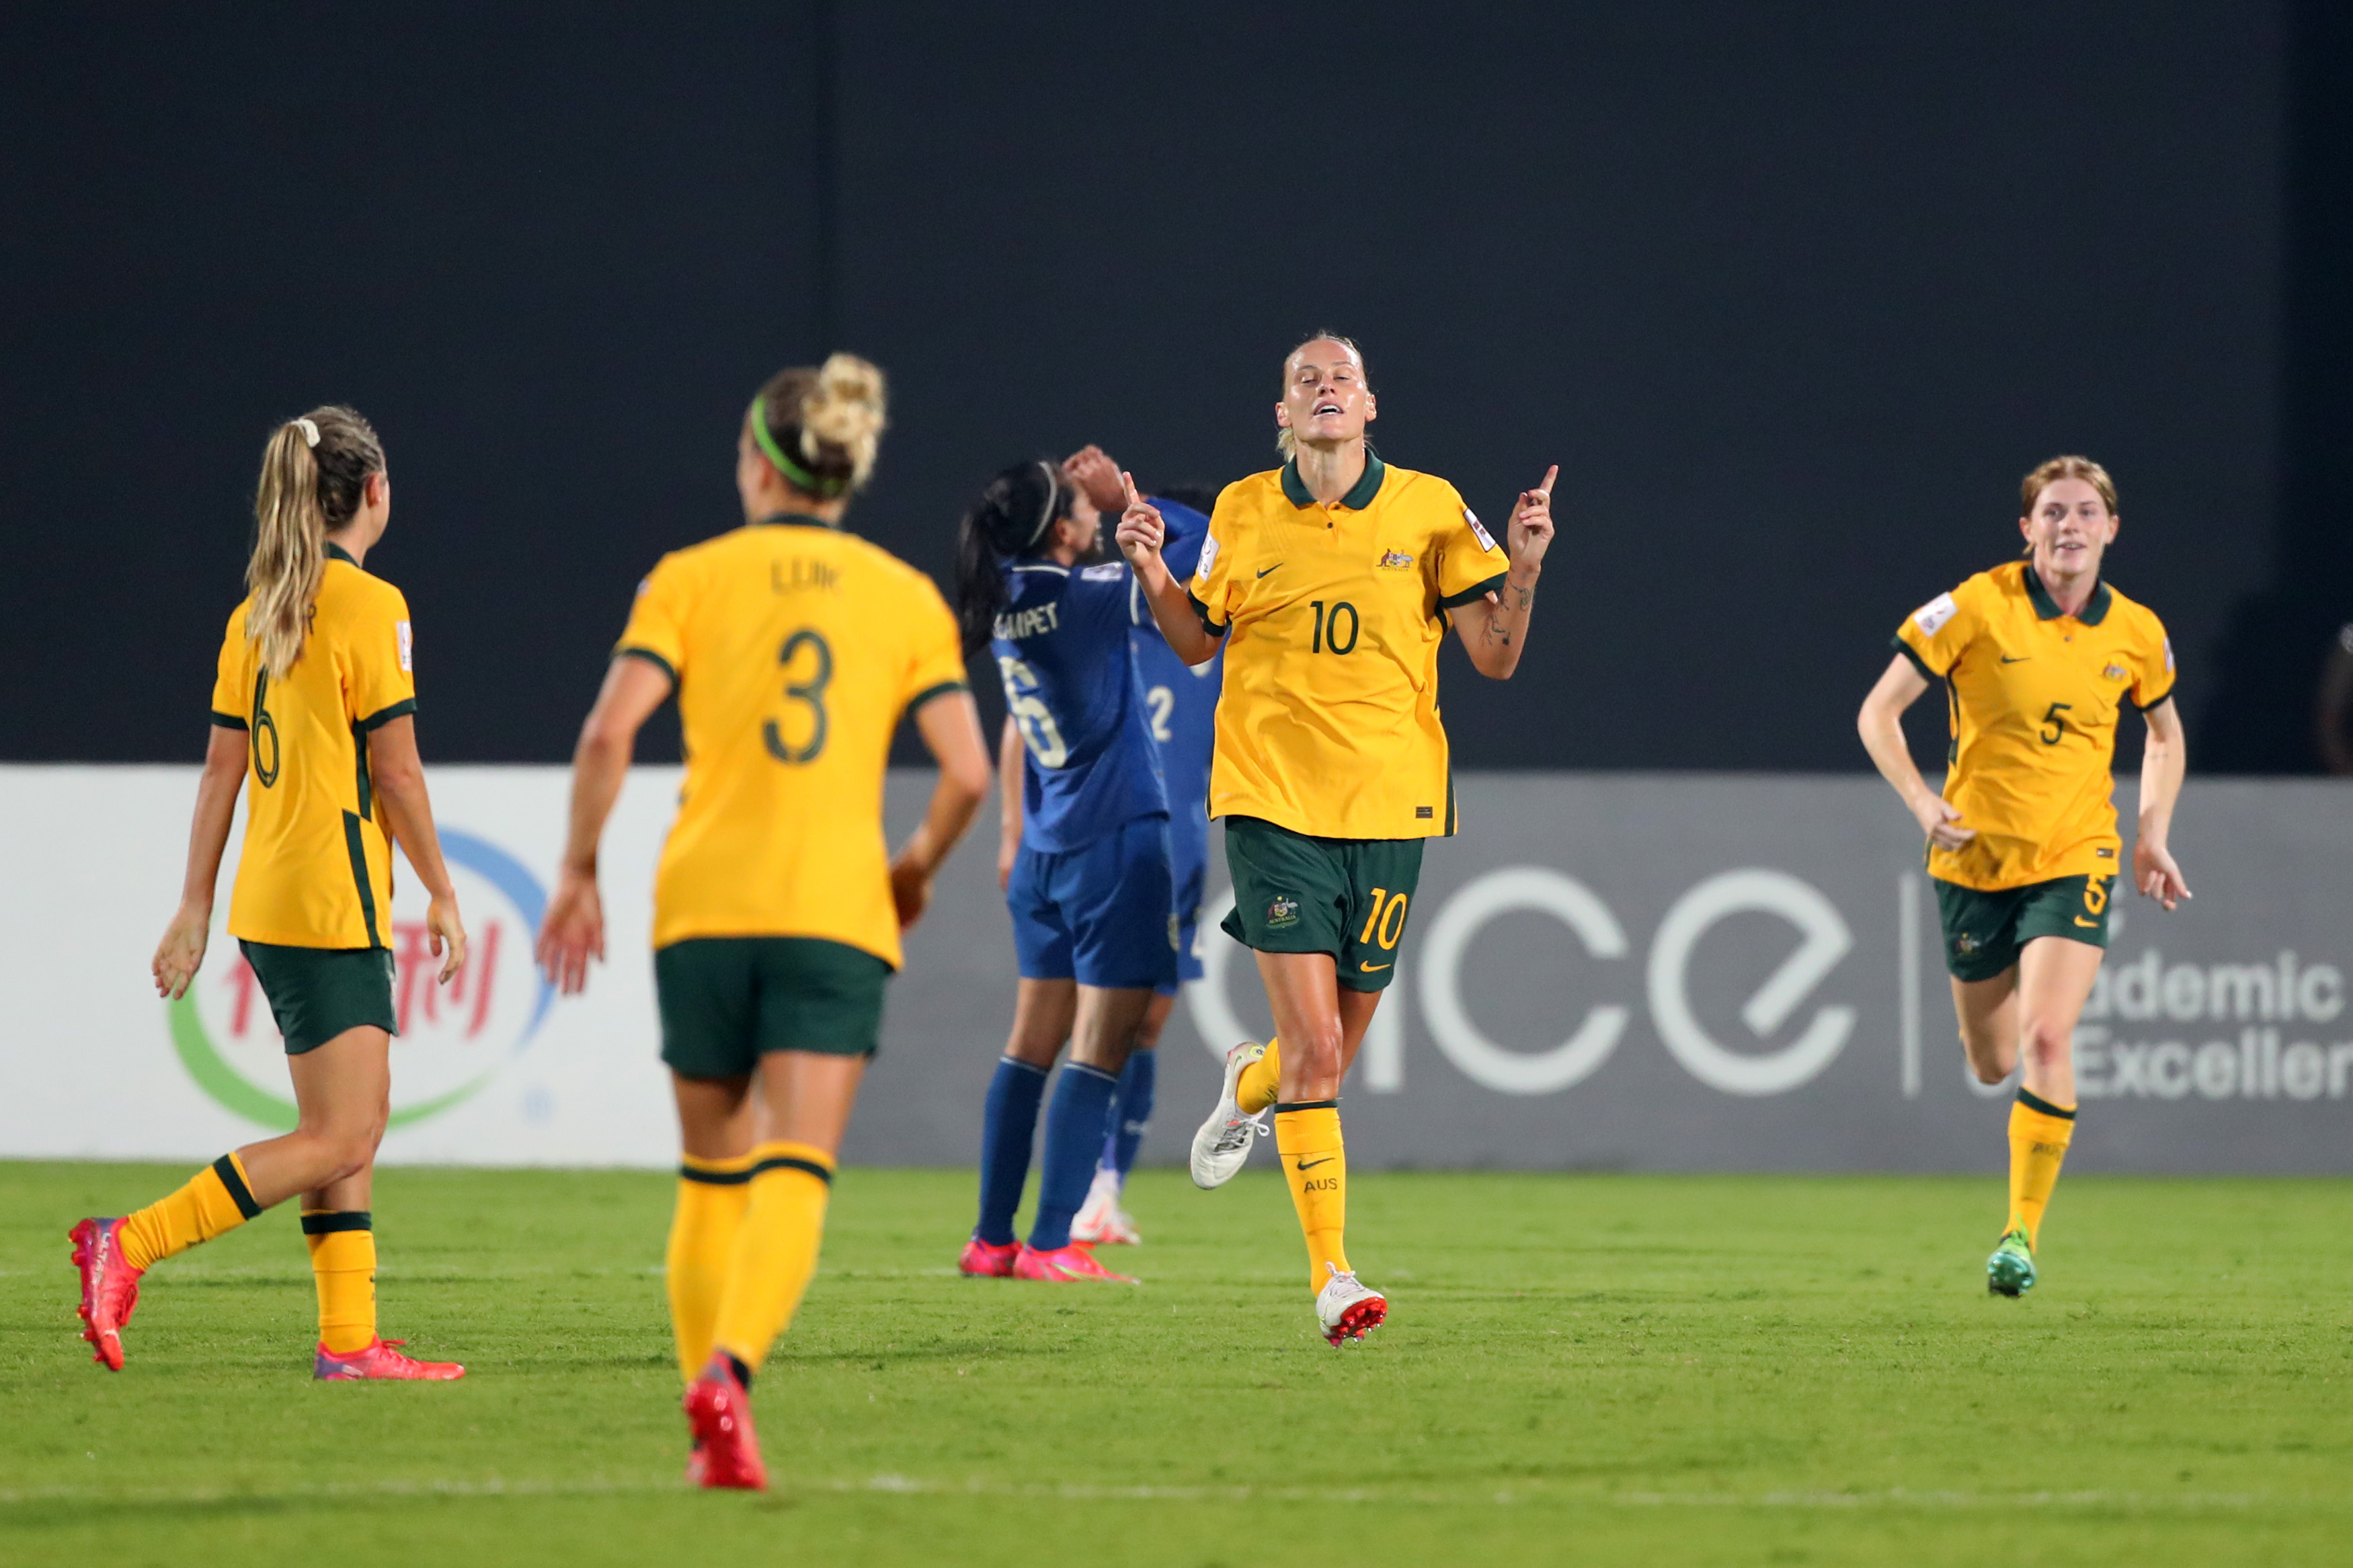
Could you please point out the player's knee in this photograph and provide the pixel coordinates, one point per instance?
(2044, 1042)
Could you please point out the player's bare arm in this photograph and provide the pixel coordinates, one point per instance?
(1495, 630)
(2164, 759)
(1142, 531)
(1881, 725)
(399, 775)
(950, 727)
(574, 929)
(181, 952)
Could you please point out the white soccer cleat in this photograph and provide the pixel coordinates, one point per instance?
(1223, 1146)
(1101, 1221)
(1348, 1307)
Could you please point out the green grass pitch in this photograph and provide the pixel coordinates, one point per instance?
(1603, 1369)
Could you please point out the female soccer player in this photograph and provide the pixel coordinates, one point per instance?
(1327, 580)
(1181, 702)
(314, 700)
(1087, 878)
(794, 647)
(2038, 656)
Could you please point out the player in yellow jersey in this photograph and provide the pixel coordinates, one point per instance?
(794, 648)
(2039, 657)
(314, 702)
(1330, 582)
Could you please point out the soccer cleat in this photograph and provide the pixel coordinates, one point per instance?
(381, 1361)
(1064, 1265)
(984, 1260)
(718, 1408)
(1101, 1221)
(109, 1287)
(1348, 1307)
(2010, 1271)
(1223, 1146)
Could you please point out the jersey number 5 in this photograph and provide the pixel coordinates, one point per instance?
(2055, 720)
(809, 692)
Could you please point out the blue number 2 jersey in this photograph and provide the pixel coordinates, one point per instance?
(1181, 702)
(1069, 665)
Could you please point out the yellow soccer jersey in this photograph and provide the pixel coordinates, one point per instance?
(2034, 696)
(317, 866)
(796, 648)
(1328, 721)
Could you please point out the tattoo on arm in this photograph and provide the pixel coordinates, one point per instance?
(1527, 599)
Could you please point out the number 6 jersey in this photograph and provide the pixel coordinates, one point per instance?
(316, 869)
(1089, 762)
(2035, 696)
(794, 649)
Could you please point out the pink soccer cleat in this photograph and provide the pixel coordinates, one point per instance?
(109, 1287)
(983, 1260)
(718, 1408)
(1064, 1265)
(381, 1360)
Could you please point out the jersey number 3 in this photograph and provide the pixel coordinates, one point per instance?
(810, 693)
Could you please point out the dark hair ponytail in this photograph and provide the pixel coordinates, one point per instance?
(1014, 514)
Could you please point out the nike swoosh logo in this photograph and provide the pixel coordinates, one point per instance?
(2082, 921)
(1371, 968)
(2021, 658)
(1311, 1164)
(1271, 568)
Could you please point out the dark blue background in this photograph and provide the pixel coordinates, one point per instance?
(1793, 297)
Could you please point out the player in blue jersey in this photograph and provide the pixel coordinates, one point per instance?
(1086, 871)
(1181, 703)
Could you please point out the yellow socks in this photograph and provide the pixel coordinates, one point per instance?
(216, 1199)
(1255, 1088)
(712, 1198)
(2039, 1134)
(776, 1249)
(343, 1262)
(1307, 1135)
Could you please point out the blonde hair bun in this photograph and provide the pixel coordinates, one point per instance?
(848, 409)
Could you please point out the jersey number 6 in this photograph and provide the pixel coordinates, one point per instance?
(810, 691)
(266, 773)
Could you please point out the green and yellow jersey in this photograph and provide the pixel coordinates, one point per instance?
(2034, 699)
(316, 871)
(1328, 721)
(796, 647)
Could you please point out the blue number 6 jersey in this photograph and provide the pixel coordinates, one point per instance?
(1062, 649)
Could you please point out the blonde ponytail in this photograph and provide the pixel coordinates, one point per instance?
(822, 429)
(290, 550)
(314, 473)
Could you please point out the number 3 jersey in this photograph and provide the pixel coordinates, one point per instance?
(2035, 696)
(1328, 725)
(1090, 764)
(316, 869)
(794, 649)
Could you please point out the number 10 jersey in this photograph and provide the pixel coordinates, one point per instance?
(795, 647)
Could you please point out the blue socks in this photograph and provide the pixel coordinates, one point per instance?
(1008, 1126)
(1134, 1113)
(1075, 1125)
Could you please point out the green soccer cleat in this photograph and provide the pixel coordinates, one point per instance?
(2010, 1271)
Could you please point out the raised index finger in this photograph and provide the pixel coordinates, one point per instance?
(1127, 483)
(1550, 474)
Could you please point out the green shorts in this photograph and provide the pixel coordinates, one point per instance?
(1985, 932)
(1346, 896)
(317, 993)
(727, 1000)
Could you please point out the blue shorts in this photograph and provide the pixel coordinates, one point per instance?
(1191, 881)
(1103, 915)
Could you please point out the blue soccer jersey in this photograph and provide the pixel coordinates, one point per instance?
(1181, 704)
(1063, 649)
